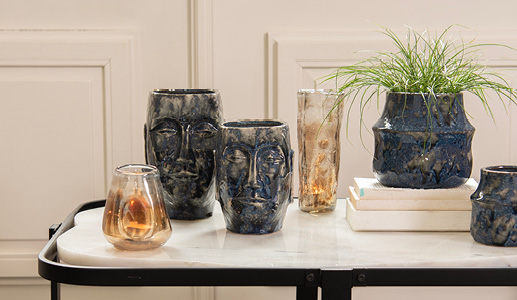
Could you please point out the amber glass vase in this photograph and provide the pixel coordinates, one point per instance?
(135, 217)
(319, 149)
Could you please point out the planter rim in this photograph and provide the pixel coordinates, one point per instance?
(425, 94)
(503, 169)
(254, 123)
(184, 91)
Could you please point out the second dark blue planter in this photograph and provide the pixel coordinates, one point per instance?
(423, 141)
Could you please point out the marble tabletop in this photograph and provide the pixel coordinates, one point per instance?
(306, 241)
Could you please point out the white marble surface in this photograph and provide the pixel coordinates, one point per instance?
(306, 241)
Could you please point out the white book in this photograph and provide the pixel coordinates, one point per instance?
(370, 220)
(408, 204)
(371, 188)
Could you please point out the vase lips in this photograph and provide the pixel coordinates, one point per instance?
(250, 200)
(184, 175)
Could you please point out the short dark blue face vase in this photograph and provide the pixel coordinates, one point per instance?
(254, 175)
(494, 207)
(181, 135)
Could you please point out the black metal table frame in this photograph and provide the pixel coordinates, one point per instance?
(335, 283)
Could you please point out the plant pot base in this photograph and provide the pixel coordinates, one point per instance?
(191, 213)
(423, 142)
(402, 161)
(416, 181)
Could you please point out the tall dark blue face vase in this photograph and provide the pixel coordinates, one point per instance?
(181, 134)
(254, 175)
(494, 207)
(423, 141)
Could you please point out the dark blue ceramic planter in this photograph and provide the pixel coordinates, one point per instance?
(254, 175)
(423, 142)
(181, 134)
(494, 207)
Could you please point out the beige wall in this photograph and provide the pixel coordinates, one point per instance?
(89, 65)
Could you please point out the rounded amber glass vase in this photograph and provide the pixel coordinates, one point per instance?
(135, 217)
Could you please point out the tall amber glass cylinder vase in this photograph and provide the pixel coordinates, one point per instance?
(319, 125)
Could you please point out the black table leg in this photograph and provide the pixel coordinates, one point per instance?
(336, 284)
(55, 287)
(306, 293)
(55, 290)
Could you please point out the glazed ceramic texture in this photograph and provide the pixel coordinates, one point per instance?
(494, 207)
(419, 145)
(254, 175)
(181, 134)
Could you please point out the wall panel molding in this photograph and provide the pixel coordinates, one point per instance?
(116, 120)
(203, 293)
(113, 51)
(201, 51)
(201, 75)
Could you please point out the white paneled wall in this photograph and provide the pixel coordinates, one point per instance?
(66, 117)
(73, 91)
(74, 79)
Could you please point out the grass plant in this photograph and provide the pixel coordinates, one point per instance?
(424, 63)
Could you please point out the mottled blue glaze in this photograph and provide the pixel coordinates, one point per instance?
(494, 207)
(423, 146)
(181, 134)
(254, 175)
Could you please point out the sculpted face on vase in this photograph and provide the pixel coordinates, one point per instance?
(254, 161)
(181, 135)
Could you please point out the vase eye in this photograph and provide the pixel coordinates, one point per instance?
(166, 129)
(270, 162)
(271, 158)
(235, 156)
(204, 130)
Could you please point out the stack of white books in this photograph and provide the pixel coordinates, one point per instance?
(375, 207)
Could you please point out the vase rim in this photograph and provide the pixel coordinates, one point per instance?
(254, 123)
(184, 91)
(503, 169)
(137, 169)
